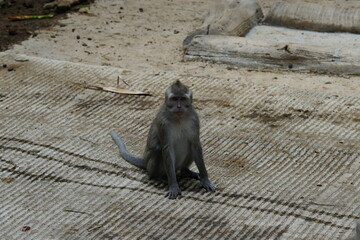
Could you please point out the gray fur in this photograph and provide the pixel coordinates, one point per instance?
(125, 154)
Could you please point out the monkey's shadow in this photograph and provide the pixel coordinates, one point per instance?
(185, 183)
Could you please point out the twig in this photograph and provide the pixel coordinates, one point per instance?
(123, 81)
(74, 211)
(94, 228)
(322, 204)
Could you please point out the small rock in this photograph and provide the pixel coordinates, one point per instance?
(28, 4)
(64, 5)
(4, 4)
(176, 31)
(12, 31)
(50, 5)
(84, 10)
(141, 10)
(77, 37)
(25, 228)
(61, 5)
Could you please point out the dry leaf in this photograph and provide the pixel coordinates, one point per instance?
(119, 90)
(123, 91)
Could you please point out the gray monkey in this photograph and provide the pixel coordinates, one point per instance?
(173, 142)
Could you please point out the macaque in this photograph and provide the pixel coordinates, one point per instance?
(173, 142)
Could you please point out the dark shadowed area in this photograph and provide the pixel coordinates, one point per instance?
(13, 32)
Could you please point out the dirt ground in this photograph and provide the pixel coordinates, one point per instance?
(17, 31)
(147, 36)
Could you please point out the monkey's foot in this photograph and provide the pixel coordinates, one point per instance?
(187, 173)
(173, 192)
(205, 183)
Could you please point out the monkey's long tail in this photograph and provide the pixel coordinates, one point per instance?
(357, 231)
(125, 154)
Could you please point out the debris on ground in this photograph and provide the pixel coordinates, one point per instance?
(19, 18)
(25, 228)
(119, 90)
(62, 5)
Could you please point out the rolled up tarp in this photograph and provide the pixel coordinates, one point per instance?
(308, 16)
(230, 18)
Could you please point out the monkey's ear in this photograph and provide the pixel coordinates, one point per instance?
(189, 95)
(168, 93)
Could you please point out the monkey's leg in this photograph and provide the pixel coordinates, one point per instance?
(199, 161)
(160, 178)
(187, 173)
(155, 168)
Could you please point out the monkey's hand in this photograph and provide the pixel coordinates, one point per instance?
(205, 183)
(174, 191)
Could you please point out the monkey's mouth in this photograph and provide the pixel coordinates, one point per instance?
(179, 112)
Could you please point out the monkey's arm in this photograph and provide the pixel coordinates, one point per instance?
(199, 161)
(125, 154)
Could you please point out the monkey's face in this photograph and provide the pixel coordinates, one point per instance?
(178, 99)
(178, 105)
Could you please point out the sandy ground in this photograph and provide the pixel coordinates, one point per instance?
(147, 36)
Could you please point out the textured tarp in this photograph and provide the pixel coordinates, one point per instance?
(229, 18)
(286, 162)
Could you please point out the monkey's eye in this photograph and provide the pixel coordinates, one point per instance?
(178, 99)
